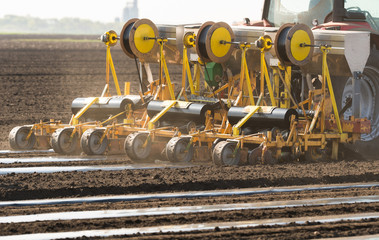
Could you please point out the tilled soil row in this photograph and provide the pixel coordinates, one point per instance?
(172, 202)
(293, 231)
(104, 161)
(177, 219)
(69, 184)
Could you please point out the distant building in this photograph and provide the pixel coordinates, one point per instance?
(130, 11)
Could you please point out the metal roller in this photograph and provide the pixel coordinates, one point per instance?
(268, 117)
(209, 43)
(188, 112)
(138, 38)
(106, 106)
(294, 44)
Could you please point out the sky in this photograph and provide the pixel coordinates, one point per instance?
(163, 11)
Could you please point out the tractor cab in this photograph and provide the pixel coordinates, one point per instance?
(322, 14)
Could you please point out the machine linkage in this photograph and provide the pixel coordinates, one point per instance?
(233, 116)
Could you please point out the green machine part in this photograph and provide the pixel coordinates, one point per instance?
(214, 73)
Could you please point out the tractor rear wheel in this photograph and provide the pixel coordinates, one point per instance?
(368, 145)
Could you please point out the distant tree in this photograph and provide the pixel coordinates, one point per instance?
(27, 24)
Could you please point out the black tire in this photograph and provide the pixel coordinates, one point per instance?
(91, 144)
(62, 142)
(368, 145)
(18, 141)
(223, 154)
(215, 142)
(134, 146)
(175, 150)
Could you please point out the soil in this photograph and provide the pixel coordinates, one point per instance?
(40, 75)
(69, 184)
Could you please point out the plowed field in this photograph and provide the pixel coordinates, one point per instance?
(39, 78)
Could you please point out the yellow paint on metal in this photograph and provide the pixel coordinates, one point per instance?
(127, 88)
(189, 40)
(262, 109)
(142, 44)
(112, 38)
(186, 69)
(236, 128)
(218, 49)
(83, 110)
(114, 75)
(161, 113)
(179, 104)
(298, 38)
(326, 76)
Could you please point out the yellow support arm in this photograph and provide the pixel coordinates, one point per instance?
(163, 67)
(236, 128)
(186, 70)
(326, 76)
(264, 75)
(245, 71)
(113, 71)
(160, 114)
(75, 119)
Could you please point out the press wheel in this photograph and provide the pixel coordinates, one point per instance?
(176, 150)
(223, 154)
(63, 143)
(260, 156)
(17, 138)
(91, 143)
(315, 154)
(255, 156)
(268, 158)
(134, 146)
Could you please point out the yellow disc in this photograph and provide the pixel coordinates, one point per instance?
(298, 38)
(142, 44)
(112, 38)
(218, 49)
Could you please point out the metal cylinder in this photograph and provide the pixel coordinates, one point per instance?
(268, 118)
(193, 112)
(106, 106)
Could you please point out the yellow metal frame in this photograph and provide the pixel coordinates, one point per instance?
(266, 45)
(151, 124)
(244, 75)
(326, 78)
(236, 128)
(188, 42)
(164, 69)
(75, 119)
(112, 40)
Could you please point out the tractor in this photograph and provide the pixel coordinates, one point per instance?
(357, 92)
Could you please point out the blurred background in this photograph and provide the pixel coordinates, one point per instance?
(95, 17)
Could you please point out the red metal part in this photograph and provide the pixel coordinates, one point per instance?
(345, 26)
